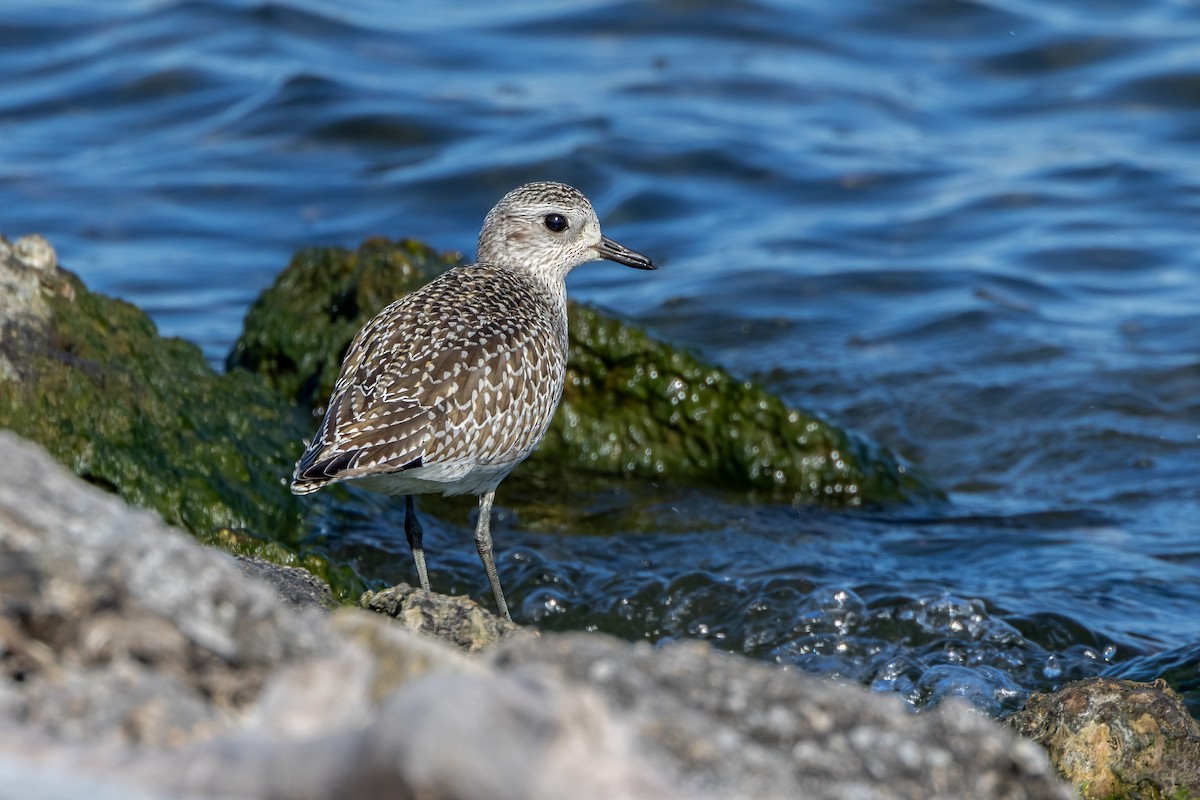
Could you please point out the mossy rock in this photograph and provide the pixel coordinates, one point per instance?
(633, 405)
(344, 583)
(297, 331)
(90, 379)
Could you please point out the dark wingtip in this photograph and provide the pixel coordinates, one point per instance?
(313, 473)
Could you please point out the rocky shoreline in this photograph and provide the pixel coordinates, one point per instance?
(136, 660)
(138, 663)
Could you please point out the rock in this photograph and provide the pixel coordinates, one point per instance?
(1117, 738)
(322, 575)
(118, 628)
(139, 414)
(27, 270)
(728, 727)
(134, 662)
(29, 267)
(146, 417)
(1178, 666)
(121, 635)
(20, 778)
(297, 588)
(633, 405)
(457, 620)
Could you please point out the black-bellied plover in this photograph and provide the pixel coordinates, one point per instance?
(449, 388)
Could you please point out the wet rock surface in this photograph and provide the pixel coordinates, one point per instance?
(457, 620)
(135, 413)
(1116, 738)
(297, 588)
(135, 662)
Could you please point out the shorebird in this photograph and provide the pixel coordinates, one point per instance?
(450, 387)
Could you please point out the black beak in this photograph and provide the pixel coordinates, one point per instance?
(622, 254)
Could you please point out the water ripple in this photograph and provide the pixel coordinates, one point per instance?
(964, 227)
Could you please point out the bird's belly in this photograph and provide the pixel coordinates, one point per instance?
(445, 478)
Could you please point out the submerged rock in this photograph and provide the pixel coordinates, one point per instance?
(633, 405)
(1116, 738)
(136, 663)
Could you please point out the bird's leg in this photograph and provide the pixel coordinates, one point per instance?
(483, 543)
(412, 529)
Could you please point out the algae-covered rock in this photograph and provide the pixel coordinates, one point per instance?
(297, 588)
(1117, 739)
(90, 379)
(636, 405)
(298, 330)
(144, 416)
(633, 405)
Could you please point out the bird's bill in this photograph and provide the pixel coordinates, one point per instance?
(622, 255)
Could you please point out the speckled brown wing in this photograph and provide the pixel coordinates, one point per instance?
(466, 370)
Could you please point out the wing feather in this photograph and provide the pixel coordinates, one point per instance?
(469, 367)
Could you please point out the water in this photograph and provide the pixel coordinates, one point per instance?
(967, 229)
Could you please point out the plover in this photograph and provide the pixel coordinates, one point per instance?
(449, 388)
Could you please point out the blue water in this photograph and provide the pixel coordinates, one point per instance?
(966, 229)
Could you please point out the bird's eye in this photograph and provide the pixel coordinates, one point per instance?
(556, 222)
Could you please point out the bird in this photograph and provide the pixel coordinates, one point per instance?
(449, 388)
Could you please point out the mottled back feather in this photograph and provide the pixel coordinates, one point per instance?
(470, 366)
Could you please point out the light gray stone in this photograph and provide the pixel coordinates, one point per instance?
(134, 662)
(729, 727)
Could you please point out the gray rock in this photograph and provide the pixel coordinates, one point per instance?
(729, 727)
(119, 635)
(297, 588)
(24, 268)
(19, 779)
(118, 627)
(26, 263)
(457, 620)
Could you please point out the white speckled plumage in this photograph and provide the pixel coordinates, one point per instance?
(449, 388)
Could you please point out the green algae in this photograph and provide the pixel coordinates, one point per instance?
(297, 331)
(147, 418)
(633, 405)
(346, 584)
